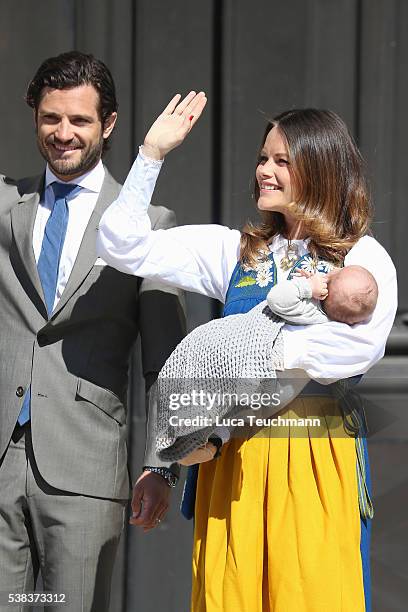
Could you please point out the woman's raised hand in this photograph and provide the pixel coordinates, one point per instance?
(172, 126)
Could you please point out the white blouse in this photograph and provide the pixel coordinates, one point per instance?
(201, 258)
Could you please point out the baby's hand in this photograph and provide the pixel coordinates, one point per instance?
(200, 455)
(303, 272)
(319, 286)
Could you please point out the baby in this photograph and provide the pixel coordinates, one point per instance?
(348, 295)
(249, 348)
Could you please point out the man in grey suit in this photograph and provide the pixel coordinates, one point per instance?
(68, 323)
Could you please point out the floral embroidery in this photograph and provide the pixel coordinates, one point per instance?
(311, 264)
(261, 273)
(246, 281)
(263, 266)
(250, 282)
(263, 278)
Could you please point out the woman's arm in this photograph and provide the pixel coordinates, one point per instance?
(332, 350)
(196, 258)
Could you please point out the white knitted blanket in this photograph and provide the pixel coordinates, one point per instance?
(212, 373)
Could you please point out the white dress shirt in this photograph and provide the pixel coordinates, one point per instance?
(80, 206)
(201, 258)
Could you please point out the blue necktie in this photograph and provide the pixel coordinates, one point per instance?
(48, 262)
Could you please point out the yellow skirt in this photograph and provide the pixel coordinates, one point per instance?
(277, 523)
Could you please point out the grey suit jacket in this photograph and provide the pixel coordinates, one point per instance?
(76, 361)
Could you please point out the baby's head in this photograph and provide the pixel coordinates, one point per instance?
(352, 295)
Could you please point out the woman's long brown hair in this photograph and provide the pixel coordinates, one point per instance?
(328, 179)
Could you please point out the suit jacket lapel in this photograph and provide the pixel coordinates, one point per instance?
(22, 222)
(87, 252)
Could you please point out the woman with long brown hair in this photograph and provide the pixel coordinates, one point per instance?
(281, 520)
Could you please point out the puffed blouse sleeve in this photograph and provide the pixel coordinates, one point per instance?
(198, 258)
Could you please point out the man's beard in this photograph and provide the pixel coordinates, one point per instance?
(89, 157)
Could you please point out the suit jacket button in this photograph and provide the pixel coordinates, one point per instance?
(19, 391)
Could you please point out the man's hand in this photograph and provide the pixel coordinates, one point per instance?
(172, 126)
(200, 455)
(150, 500)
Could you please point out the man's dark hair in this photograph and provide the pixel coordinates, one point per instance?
(74, 69)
